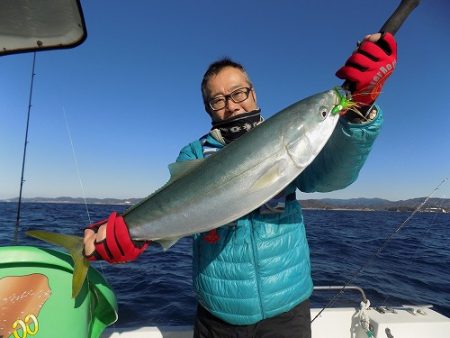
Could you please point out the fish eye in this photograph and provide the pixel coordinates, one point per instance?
(323, 112)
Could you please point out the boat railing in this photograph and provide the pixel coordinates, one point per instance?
(343, 288)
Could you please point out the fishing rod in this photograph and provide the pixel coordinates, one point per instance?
(19, 204)
(392, 25)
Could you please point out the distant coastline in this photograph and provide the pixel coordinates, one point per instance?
(440, 205)
(75, 200)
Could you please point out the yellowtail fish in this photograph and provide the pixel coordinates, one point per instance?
(204, 194)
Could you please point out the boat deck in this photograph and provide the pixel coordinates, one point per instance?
(399, 322)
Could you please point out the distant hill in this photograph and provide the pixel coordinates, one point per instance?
(432, 205)
(77, 200)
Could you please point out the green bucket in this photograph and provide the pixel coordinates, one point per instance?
(36, 301)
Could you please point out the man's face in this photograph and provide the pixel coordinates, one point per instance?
(228, 80)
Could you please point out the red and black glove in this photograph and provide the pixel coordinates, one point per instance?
(117, 247)
(368, 68)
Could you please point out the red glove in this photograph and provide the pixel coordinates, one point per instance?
(368, 68)
(117, 247)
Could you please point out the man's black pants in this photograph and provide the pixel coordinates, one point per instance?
(295, 323)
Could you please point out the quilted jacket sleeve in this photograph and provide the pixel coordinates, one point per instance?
(339, 162)
(190, 152)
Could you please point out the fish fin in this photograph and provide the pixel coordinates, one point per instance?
(179, 169)
(300, 152)
(268, 178)
(167, 243)
(74, 245)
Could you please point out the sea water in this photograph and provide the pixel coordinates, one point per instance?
(394, 263)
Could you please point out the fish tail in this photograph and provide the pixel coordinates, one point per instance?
(74, 245)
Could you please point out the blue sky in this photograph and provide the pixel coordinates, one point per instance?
(132, 99)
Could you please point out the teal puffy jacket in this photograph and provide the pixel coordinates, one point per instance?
(260, 267)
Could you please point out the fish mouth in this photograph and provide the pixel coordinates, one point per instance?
(341, 94)
(342, 100)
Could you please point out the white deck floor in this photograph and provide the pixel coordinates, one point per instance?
(406, 322)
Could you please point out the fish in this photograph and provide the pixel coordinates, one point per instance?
(205, 194)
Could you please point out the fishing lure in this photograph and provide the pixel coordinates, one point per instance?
(345, 102)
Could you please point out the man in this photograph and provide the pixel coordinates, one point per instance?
(253, 277)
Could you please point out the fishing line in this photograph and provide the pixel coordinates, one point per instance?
(19, 205)
(372, 257)
(91, 315)
(415, 255)
(76, 165)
